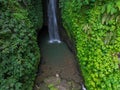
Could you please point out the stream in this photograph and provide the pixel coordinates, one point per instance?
(58, 70)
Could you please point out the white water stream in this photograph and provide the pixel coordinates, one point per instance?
(52, 22)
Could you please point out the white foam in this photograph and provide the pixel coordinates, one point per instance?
(83, 87)
(51, 41)
(55, 40)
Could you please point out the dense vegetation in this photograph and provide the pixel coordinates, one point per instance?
(93, 24)
(19, 53)
(95, 27)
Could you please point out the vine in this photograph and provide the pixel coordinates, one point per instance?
(19, 53)
(95, 27)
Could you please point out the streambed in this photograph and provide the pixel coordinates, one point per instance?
(58, 70)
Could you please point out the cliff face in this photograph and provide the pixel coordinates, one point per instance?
(45, 10)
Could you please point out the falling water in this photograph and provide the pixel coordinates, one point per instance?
(83, 87)
(52, 22)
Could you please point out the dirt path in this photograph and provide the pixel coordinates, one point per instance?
(58, 70)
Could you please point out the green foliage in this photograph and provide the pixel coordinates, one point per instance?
(95, 27)
(35, 13)
(19, 53)
(52, 87)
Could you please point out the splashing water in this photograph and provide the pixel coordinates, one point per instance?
(52, 22)
(83, 87)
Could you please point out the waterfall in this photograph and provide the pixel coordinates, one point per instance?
(52, 22)
(83, 87)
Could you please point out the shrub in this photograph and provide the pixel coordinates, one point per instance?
(95, 27)
(19, 53)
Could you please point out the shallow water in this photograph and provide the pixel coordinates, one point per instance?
(54, 53)
(57, 60)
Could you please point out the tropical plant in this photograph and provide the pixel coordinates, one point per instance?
(94, 25)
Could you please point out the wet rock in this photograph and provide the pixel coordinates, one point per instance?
(56, 83)
(61, 88)
(76, 86)
(41, 87)
(44, 87)
(64, 84)
(52, 80)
